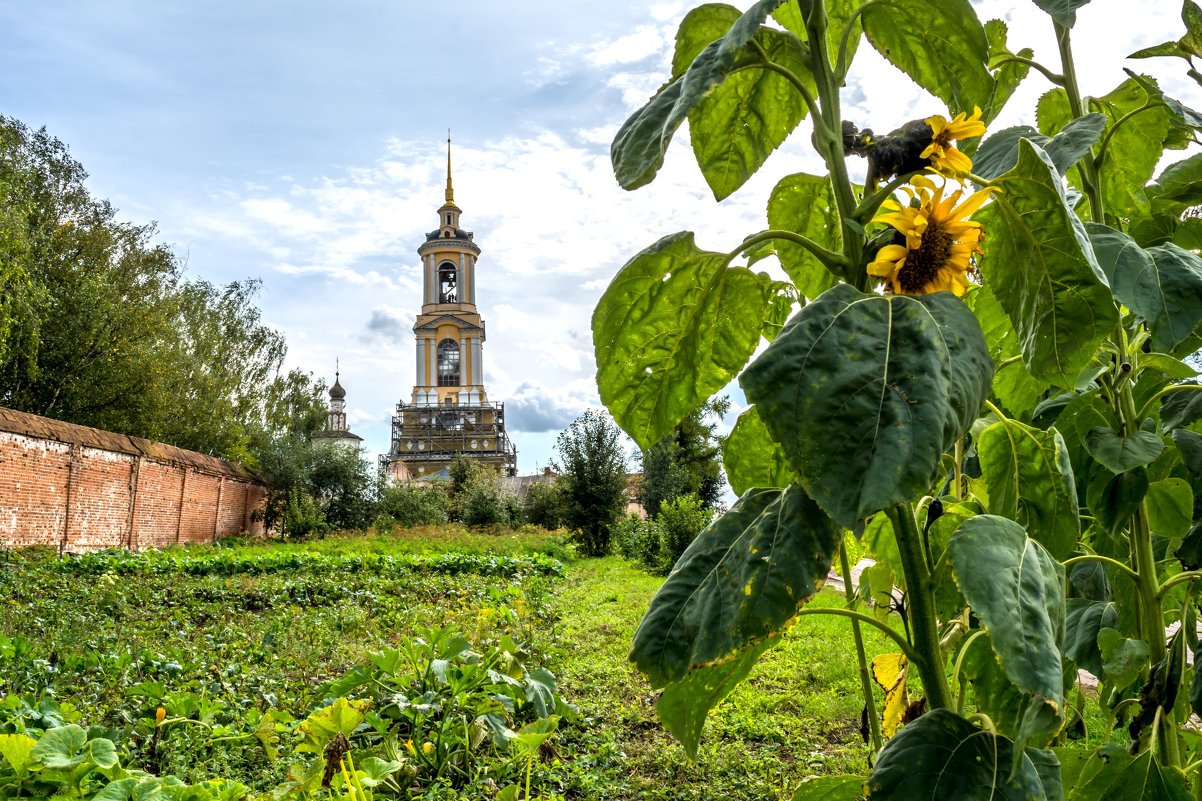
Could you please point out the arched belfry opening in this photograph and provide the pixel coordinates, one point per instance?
(448, 283)
(449, 414)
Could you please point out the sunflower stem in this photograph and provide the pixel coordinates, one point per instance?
(1054, 77)
(1100, 159)
(841, 67)
(928, 656)
(834, 262)
(874, 723)
(830, 145)
(1089, 171)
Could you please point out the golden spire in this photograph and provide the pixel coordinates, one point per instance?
(450, 191)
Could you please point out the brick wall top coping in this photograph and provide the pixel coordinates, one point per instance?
(32, 425)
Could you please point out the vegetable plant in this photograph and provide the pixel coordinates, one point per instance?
(977, 365)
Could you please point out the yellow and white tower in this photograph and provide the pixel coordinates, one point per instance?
(449, 413)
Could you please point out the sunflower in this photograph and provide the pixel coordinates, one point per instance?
(944, 157)
(934, 241)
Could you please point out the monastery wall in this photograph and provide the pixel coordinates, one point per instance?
(81, 489)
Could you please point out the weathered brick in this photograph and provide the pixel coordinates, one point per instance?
(78, 489)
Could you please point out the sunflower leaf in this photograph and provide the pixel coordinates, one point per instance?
(1041, 266)
(751, 458)
(1118, 453)
(1016, 588)
(730, 595)
(829, 788)
(1029, 479)
(1009, 74)
(942, 755)
(1161, 284)
(638, 148)
(805, 204)
(1063, 11)
(1112, 774)
(1017, 389)
(867, 433)
(701, 27)
(942, 46)
(1133, 150)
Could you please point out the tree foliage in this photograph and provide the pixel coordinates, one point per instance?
(686, 462)
(99, 325)
(592, 478)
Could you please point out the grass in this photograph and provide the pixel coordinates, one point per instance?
(108, 648)
(797, 715)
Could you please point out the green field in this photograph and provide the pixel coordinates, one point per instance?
(239, 644)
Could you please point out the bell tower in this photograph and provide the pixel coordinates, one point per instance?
(449, 413)
(449, 331)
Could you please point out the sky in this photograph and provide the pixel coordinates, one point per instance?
(303, 144)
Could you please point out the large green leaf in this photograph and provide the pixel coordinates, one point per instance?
(749, 115)
(1029, 479)
(1162, 284)
(61, 748)
(733, 148)
(1114, 499)
(16, 750)
(1133, 151)
(1040, 265)
(1063, 11)
(942, 46)
(1170, 506)
(868, 432)
(673, 328)
(737, 586)
(805, 204)
(829, 788)
(999, 153)
(752, 459)
(1084, 620)
(1017, 389)
(1118, 454)
(943, 756)
(683, 705)
(1111, 774)
(701, 27)
(1180, 408)
(1017, 590)
(1007, 74)
(1189, 443)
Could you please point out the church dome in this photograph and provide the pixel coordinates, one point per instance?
(336, 391)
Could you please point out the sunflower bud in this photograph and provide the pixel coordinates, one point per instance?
(160, 715)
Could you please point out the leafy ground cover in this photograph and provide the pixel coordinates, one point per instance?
(241, 645)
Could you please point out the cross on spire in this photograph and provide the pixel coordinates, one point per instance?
(450, 190)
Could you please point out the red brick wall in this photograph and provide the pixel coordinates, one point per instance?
(114, 491)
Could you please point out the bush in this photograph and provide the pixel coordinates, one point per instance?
(639, 541)
(477, 497)
(544, 505)
(680, 521)
(410, 504)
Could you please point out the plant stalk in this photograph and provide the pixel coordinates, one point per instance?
(1089, 171)
(830, 141)
(874, 723)
(920, 605)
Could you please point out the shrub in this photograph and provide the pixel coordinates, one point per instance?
(544, 505)
(410, 504)
(680, 521)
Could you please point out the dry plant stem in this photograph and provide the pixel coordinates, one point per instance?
(921, 607)
(874, 724)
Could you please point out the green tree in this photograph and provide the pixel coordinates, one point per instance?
(592, 468)
(98, 325)
(687, 461)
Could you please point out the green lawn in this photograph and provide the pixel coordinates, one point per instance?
(220, 637)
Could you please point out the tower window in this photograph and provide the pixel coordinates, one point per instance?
(448, 363)
(448, 219)
(448, 279)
